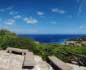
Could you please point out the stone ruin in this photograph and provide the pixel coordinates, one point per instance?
(21, 59)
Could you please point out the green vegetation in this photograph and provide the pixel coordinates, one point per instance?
(10, 39)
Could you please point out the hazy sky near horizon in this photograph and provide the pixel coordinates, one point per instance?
(43, 16)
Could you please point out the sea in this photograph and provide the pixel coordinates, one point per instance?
(51, 38)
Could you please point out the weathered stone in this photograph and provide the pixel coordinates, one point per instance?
(59, 64)
(29, 61)
(16, 50)
(10, 61)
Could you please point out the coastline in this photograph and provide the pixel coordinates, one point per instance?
(51, 38)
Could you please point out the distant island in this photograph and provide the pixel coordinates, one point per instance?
(81, 41)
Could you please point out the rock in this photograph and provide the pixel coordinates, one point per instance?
(76, 67)
(9, 61)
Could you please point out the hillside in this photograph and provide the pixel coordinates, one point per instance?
(65, 53)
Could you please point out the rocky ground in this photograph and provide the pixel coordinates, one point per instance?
(76, 67)
(14, 62)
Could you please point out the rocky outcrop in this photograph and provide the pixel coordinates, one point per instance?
(75, 43)
(13, 61)
(76, 67)
(60, 65)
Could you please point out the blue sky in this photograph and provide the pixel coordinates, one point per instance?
(43, 16)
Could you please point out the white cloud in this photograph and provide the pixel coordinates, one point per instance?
(60, 11)
(40, 13)
(30, 20)
(13, 12)
(17, 17)
(10, 21)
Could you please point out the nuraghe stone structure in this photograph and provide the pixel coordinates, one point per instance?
(21, 59)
